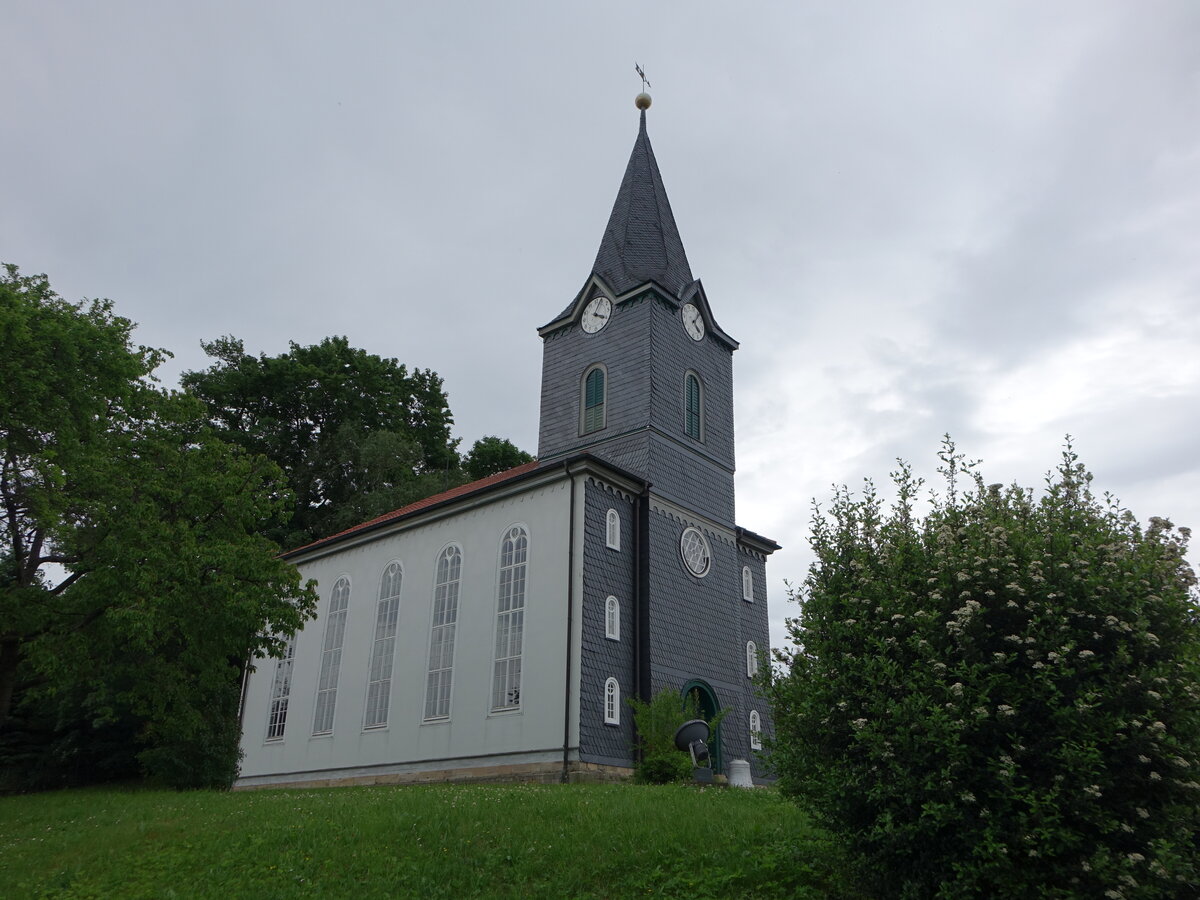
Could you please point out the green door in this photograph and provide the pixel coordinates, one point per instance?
(707, 708)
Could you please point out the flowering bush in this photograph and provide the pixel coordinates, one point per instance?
(1001, 698)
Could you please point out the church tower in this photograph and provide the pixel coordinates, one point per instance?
(636, 372)
(636, 369)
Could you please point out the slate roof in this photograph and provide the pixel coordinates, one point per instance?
(641, 242)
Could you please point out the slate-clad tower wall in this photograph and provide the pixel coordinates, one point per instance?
(667, 418)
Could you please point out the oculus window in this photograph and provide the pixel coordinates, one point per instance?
(693, 547)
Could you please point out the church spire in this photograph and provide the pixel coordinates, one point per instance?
(641, 242)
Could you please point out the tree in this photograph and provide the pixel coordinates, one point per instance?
(356, 435)
(1001, 698)
(134, 577)
(490, 455)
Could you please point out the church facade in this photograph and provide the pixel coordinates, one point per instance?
(495, 631)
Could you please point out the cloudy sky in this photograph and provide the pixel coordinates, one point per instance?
(917, 218)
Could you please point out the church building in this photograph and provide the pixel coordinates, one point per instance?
(495, 631)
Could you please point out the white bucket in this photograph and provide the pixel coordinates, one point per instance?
(739, 774)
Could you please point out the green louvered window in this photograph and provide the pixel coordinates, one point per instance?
(691, 412)
(593, 401)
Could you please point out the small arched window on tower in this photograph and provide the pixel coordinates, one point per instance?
(612, 702)
(751, 659)
(755, 730)
(593, 399)
(693, 406)
(612, 619)
(612, 530)
(747, 585)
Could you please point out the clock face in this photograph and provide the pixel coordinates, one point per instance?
(693, 322)
(596, 314)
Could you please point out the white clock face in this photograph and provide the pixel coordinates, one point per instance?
(596, 314)
(693, 322)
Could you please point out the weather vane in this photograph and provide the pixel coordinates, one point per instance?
(642, 74)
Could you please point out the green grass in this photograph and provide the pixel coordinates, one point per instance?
(561, 841)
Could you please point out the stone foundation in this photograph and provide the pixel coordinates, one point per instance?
(507, 773)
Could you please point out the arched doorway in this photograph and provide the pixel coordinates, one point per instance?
(707, 707)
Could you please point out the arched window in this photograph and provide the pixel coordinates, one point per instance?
(755, 730)
(693, 406)
(751, 659)
(331, 656)
(747, 585)
(612, 619)
(281, 691)
(593, 399)
(383, 649)
(612, 530)
(612, 702)
(441, 633)
(510, 619)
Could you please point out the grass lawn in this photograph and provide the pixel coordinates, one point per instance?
(558, 841)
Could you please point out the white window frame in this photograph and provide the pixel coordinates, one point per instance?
(612, 530)
(513, 566)
(325, 705)
(612, 619)
(695, 552)
(612, 702)
(755, 730)
(443, 622)
(751, 659)
(383, 647)
(747, 584)
(281, 692)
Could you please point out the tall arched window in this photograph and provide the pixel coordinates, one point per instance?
(747, 585)
(612, 530)
(612, 702)
(751, 659)
(755, 730)
(441, 633)
(331, 657)
(510, 619)
(383, 649)
(593, 399)
(281, 690)
(693, 406)
(612, 619)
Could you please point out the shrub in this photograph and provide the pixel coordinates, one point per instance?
(1001, 698)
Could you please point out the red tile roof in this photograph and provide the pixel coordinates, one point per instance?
(402, 512)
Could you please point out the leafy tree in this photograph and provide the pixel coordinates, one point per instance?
(490, 455)
(356, 435)
(1001, 699)
(133, 577)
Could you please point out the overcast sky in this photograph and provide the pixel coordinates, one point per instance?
(917, 218)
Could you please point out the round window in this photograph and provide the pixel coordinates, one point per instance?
(693, 547)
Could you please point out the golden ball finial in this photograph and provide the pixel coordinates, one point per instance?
(642, 101)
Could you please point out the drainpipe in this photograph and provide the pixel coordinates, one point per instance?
(566, 761)
(641, 595)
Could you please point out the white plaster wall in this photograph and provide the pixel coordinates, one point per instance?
(471, 730)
